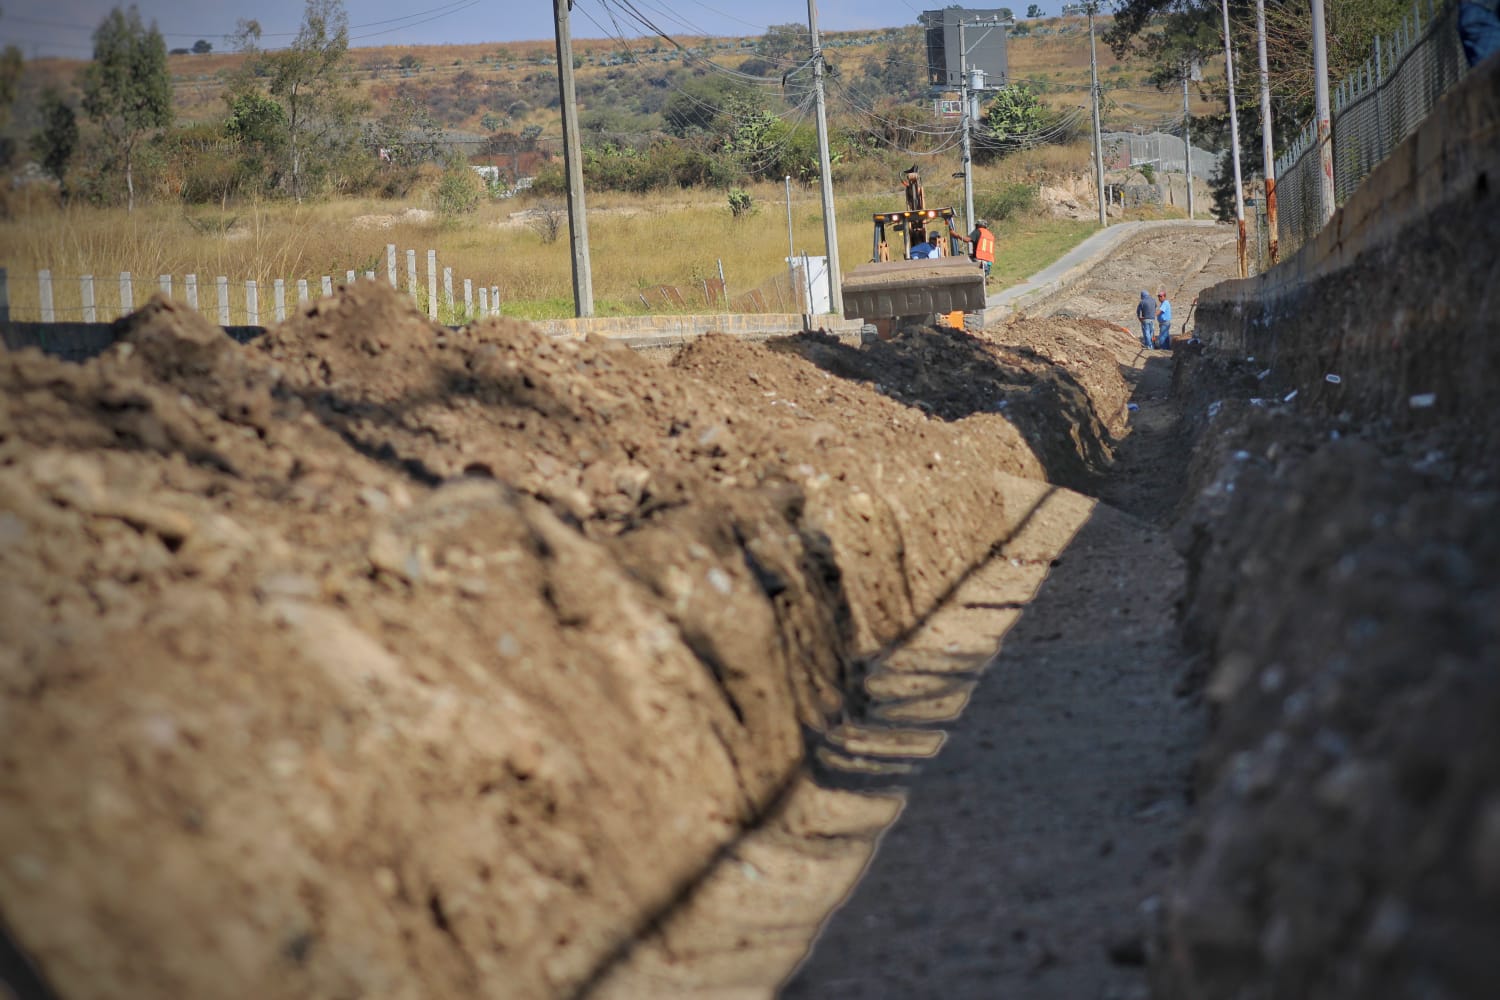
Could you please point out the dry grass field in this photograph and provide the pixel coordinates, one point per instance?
(638, 242)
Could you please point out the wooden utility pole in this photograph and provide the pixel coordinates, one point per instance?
(578, 223)
(830, 222)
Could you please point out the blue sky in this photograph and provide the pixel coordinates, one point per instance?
(64, 27)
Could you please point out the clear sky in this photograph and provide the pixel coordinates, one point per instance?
(64, 27)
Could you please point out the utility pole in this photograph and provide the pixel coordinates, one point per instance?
(1266, 151)
(1090, 7)
(1234, 142)
(1187, 136)
(830, 222)
(963, 84)
(1098, 132)
(578, 223)
(1325, 114)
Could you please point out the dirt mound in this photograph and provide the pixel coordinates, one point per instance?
(1055, 384)
(1343, 586)
(383, 659)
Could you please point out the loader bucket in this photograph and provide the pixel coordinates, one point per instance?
(913, 288)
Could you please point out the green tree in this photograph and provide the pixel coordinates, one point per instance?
(126, 91)
(1033, 11)
(202, 47)
(1014, 118)
(56, 140)
(490, 123)
(785, 44)
(310, 81)
(11, 63)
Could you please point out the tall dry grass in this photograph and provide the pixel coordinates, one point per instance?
(637, 242)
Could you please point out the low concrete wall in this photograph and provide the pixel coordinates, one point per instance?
(1398, 296)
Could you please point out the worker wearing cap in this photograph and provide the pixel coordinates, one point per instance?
(981, 245)
(1163, 321)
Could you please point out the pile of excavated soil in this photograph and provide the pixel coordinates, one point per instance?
(1344, 581)
(381, 659)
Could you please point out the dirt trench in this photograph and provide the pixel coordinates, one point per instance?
(380, 659)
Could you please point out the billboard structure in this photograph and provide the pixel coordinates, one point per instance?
(984, 37)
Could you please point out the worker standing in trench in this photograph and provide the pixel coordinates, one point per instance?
(1145, 311)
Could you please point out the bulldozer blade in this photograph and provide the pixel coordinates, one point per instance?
(913, 288)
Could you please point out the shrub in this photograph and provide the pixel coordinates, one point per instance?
(740, 203)
(1011, 200)
(458, 192)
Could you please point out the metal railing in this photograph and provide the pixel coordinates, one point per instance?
(1374, 109)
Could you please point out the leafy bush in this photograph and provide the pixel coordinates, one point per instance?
(740, 203)
(1010, 201)
(458, 192)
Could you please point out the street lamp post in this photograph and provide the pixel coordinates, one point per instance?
(1090, 8)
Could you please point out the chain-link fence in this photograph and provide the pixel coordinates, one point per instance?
(1374, 109)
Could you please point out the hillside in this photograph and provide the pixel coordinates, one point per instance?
(480, 88)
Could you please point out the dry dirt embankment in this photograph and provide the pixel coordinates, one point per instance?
(379, 659)
(1344, 581)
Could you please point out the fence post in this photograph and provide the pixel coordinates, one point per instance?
(44, 292)
(191, 281)
(432, 299)
(390, 263)
(223, 286)
(411, 273)
(448, 290)
(86, 293)
(164, 282)
(484, 301)
(278, 292)
(327, 286)
(252, 303)
(4, 296)
(127, 294)
(468, 299)
(301, 291)
(495, 299)
(348, 277)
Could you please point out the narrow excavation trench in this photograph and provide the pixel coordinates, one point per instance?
(377, 658)
(1023, 770)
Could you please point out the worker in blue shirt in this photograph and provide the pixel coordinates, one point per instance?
(1146, 313)
(1163, 321)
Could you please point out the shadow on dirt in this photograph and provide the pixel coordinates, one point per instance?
(952, 375)
(1018, 858)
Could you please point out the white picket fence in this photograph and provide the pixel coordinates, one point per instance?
(80, 298)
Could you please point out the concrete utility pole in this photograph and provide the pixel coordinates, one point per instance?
(1090, 7)
(578, 223)
(1187, 137)
(1268, 154)
(1234, 143)
(1324, 112)
(830, 222)
(963, 93)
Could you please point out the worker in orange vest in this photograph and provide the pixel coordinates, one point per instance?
(981, 245)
